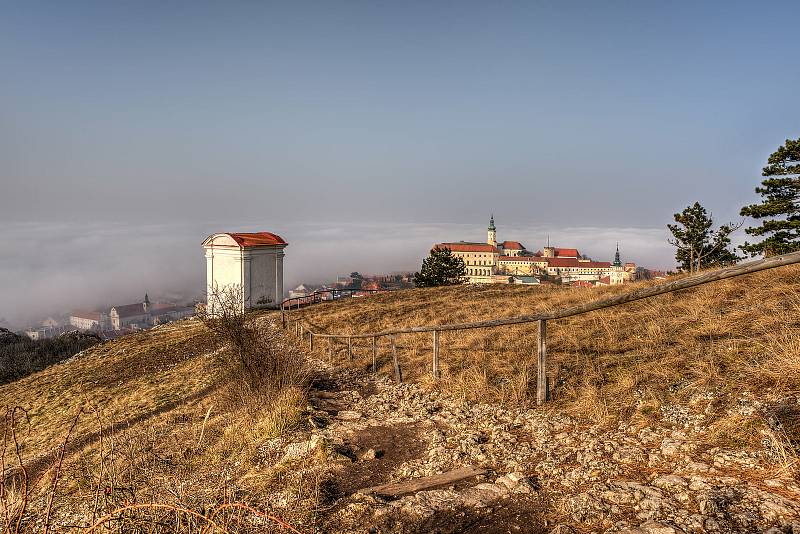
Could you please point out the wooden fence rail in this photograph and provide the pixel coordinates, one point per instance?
(542, 317)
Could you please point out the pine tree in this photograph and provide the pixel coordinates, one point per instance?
(698, 245)
(441, 268)
(780, 208)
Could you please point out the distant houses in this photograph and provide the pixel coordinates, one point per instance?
(129, 317)
(89, 320)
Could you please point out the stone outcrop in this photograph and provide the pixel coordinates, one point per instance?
(659, 479)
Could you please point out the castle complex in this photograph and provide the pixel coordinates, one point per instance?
(511, 262)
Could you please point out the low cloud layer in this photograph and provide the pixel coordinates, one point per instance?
(51, 269)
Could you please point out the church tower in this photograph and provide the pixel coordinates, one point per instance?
(617, 261)
(146, 304)
(492, 233)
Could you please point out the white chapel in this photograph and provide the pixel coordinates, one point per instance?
(250, 263)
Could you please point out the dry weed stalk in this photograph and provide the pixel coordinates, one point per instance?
(14, 499)
(57, 473)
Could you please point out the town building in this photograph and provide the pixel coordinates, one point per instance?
(494, 262)
(249, 264)
(89, 320)
(303, 290)
(166, 313)
(131, 315)
(137, 316)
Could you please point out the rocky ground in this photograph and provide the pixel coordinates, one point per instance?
(546, 472)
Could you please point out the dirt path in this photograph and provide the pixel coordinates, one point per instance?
(382, 432)
(546, 472)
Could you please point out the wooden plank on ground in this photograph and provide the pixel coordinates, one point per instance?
(397, 489)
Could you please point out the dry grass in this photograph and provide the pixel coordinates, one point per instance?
(165, 421)
(728, 338)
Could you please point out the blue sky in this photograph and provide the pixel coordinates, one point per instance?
(551, 115)
(587, 113)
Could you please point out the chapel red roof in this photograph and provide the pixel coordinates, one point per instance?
(257, 239)
(513, 245)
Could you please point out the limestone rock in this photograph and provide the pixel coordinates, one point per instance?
(302, 449)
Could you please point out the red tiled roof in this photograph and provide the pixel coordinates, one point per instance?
(582, 283)
(531, 259)
(513, 245)
(567, 252)
(573, 262)
(468, 247)
(83, 314)
(257, 239)
(606, 280)
(129, 310)
(247, 240)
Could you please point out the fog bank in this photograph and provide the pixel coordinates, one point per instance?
(48, 269)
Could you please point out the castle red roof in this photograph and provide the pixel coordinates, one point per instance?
(573, 262)
(531, 259)
(468, 247)
(513, 245)
(567, 252)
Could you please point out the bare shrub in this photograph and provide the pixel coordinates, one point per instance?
(261, 367)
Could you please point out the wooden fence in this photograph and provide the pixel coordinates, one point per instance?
(301, 329)
(318, 296)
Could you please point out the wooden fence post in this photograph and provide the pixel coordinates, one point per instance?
(311, 341)
(374, 353)
(435, 354)
(398, 374)
(330, 350)
(283, 318)
(350, 348)
(296, 328)
(541, 368)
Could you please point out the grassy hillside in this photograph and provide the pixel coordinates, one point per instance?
(165, 417)
(710, 350)
(154, 417)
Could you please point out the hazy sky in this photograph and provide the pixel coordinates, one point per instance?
(131, 130)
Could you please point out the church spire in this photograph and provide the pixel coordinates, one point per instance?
(617, 261)
(491, 235)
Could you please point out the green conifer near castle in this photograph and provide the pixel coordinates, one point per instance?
(779, 211)
(441, 268)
